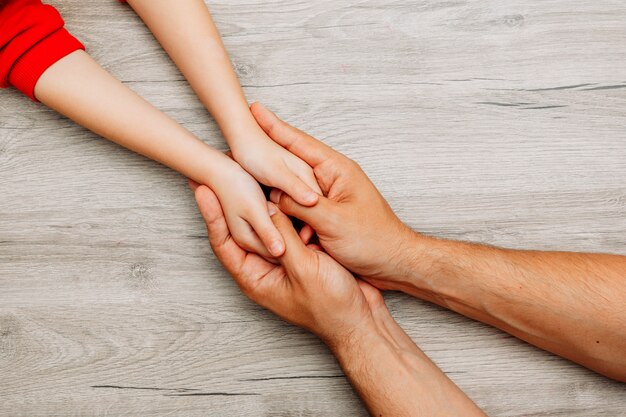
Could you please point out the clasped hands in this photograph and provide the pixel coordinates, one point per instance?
(312, 285)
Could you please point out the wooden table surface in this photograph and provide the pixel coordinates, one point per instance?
(494, 121)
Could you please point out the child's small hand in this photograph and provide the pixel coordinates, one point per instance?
(246, 211)
(274, 166)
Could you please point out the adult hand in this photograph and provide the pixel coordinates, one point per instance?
(308, 288)
(550, 307)
(354, 223)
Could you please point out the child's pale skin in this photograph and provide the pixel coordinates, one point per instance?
(77, 87)
(186, 31)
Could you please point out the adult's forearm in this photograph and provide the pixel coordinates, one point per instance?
(77, 87)
(571, 304)
(394, 377)
(186, 31)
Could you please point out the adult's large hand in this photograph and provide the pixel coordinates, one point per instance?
(540, 297)
(354, 223)
(308, 287)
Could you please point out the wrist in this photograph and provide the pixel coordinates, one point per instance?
(379, 333)
(414, 264)
(348, 344)
(239, 135)
(423, 272)
(217, 170)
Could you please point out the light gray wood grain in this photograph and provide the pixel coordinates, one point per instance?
(499, 122)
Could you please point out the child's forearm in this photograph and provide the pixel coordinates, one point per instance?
(188, 34)
(186, 31)
(77, 87)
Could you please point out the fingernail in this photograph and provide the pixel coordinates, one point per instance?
(276, 248)
(275, 195)
(310, 197)
(271, 208)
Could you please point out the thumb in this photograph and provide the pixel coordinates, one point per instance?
(295, 250)
(317, 216)
(224, 247)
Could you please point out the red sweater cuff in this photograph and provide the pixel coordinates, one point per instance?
(27, 70)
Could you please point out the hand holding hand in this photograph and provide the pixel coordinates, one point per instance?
(308, 288)
(354, 223)
(246, 211)
(273, 166)
(311, 290)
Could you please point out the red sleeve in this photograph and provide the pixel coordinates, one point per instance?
(32, 38)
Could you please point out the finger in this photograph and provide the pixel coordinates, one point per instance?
(192, 184)
(245, 236)
(275, 195)
(306, 234)
(295, 251)
(307, 148)
(313, 246)
(297, 189)
(317, 216)
(267, 231)
(224, 247)
(311, 182)
(303, 171)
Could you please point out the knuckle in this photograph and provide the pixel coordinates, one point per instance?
(352, 164)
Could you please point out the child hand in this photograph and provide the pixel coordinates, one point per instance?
(246, 212)
(274, 166)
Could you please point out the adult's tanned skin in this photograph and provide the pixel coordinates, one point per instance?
(571, 304)
(312, 290)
